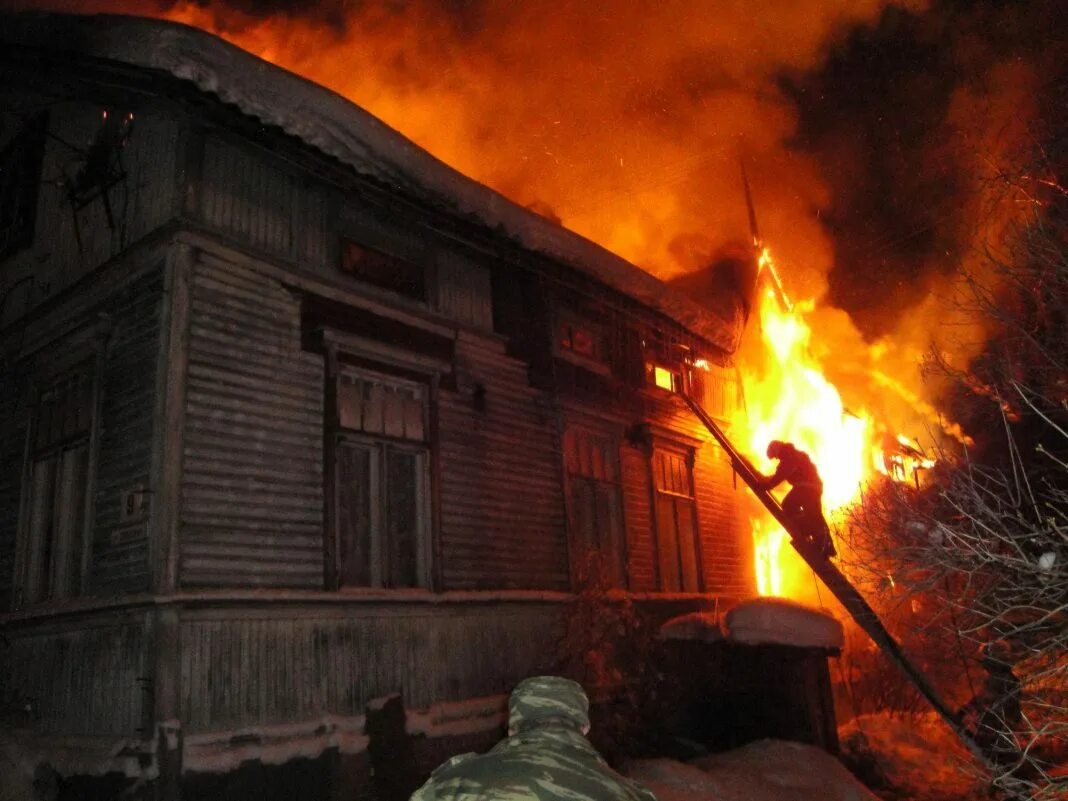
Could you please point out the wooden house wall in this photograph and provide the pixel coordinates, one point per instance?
(272, 666)
(502, 509)
(251, 197)
(638, 519)
(722, 541)
(120, 552)
(80, 679)
(140, 203)
(14, 419)
(118, 558)
(252, 509)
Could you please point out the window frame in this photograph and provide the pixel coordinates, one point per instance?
(380, 445)
(78, 359)
(598, 361)
(659, 494)
(619, 563)
(346, 241)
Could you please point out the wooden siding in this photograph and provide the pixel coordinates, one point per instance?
(140, 203)
(638, 517)
(273, 667)
(119, 561)
(502, 512)
(723, 541)
(80, 681)
(252, 479)
(14, 418)
(248, 195)
(464, 292)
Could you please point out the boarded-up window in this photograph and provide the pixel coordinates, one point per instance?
(382, 270)
(20, 177)
(595, 504)
(382, 480)
(58, 478)
(676, 521)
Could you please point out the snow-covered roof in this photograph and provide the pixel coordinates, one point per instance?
(339, 128)
(782, 622)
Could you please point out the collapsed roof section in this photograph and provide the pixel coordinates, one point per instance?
(338, 128)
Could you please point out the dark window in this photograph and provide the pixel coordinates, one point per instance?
(594, 504)
(20, 176)
(676, 521)
(382, 480)
(59, 472)
(578, 337)
(382, 270)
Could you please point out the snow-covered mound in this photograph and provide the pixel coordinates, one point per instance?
(696, 626)
(782, 622)
(768, 770)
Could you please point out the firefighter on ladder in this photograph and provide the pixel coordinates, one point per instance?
(803, 503)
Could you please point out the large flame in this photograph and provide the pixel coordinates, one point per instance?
(788, 397)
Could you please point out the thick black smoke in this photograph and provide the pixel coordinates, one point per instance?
(884, 118)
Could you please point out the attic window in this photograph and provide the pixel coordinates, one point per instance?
(20, 175)
(383, 271)
(578, 337)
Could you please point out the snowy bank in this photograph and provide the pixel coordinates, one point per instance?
(695, 627)
(781, 622)
(767, 770)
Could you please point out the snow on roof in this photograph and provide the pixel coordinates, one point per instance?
(783, 622)
(767, 770)
(339, 128)
(694, 627)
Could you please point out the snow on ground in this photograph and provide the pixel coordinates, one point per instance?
(916, 757)
(767, 770)
(776, 620)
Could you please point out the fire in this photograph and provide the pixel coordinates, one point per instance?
(789, 398)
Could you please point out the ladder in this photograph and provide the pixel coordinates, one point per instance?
(836, 582)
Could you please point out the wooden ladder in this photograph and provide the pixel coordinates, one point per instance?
(836, 582)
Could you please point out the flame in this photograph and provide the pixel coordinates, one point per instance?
(788, 397)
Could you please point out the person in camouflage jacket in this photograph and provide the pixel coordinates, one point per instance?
(546, 756)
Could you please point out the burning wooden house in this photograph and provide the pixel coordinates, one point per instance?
(295, 417)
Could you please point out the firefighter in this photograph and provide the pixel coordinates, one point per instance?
(803, 503)
(546, 756)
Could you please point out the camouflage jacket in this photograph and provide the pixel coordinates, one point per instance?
(544, 763)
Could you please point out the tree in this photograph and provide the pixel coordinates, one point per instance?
(982, 549)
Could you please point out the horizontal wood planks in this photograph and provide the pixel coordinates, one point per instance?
(638, 518)
(502, 513)
(14, 419)
(68, 244)
(119, 562)
(270, 668)
(252, 512)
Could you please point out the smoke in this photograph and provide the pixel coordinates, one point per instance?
(910, 120)
(871, 130)
(626, 120)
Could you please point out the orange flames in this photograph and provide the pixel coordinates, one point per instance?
(789, 398)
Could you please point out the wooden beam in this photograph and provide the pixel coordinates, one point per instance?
(169, 421)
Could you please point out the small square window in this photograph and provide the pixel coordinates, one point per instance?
(663, 377)
(383, 271)
(578, 337)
